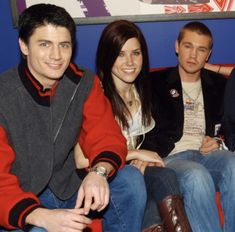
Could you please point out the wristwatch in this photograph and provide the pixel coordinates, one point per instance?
(99, 170)
(220, 143)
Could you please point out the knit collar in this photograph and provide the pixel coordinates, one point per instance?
(40, 94)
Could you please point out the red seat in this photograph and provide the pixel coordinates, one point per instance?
(221, 215)
(95, 226)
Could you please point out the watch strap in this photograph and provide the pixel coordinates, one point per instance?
(99, 170)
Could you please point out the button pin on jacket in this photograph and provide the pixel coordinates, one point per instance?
(174, 93)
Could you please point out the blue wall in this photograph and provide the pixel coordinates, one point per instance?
(160, 37)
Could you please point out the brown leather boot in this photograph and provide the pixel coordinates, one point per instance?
(173, 214)
(154, 228)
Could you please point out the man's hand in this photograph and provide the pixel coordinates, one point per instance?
(59, 220)
(208, 145)
(93, 193)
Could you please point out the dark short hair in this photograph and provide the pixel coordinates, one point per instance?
(197, 27)
(41, 14)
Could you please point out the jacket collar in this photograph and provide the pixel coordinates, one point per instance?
(36, 90)
(208, 88)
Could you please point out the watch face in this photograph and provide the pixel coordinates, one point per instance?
(100, 171)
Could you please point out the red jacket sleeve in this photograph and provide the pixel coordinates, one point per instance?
(15, 203)
(101, 138)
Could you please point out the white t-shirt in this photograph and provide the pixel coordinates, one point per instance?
(194, 118)
(136, 130)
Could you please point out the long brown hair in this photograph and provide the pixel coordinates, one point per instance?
(113, 37)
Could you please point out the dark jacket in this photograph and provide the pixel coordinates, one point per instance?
(229, 112)
(168, 109)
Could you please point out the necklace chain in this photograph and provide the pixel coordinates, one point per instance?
(198, 94)
(130, 102)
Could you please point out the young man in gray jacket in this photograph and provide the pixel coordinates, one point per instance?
(47, 105)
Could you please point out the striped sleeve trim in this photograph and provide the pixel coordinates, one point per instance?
(21, 210)
(109, 157)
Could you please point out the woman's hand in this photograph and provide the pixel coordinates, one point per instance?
(141, 165)
(145, 155)
(143, 158)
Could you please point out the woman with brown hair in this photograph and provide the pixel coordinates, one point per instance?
(122, 64)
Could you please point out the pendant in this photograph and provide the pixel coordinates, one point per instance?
(130, 103)
(189, 105)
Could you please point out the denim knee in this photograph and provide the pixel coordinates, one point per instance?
(131, 182)
(227, 171)
(197, 182)
(127, 201)
(228, 162)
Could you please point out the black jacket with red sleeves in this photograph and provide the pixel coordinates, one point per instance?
(168, 108)
(38, 131)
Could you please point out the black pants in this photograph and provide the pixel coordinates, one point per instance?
(160, 183)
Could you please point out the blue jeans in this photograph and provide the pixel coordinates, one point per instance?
(200, 177)
(160, 183)
(127, 202)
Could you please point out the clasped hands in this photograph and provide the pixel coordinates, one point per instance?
(93, 194)
(209, 144)
(143, 158)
